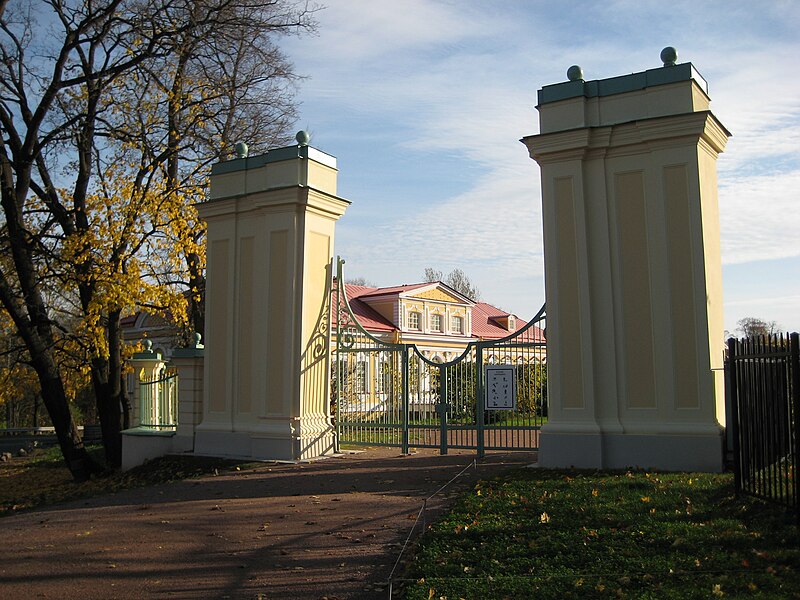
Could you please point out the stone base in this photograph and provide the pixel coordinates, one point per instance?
(140, 445)
(663, 452)
(263, 446)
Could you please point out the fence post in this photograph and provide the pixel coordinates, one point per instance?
(734, 400)
(443, 406)
(189, 363)
(794, 366)
(479, 400)
(405, 399)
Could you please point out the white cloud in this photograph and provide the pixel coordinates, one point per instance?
(759, 216)
(449, 87)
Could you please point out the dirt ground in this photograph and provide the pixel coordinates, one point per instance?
(331, 529)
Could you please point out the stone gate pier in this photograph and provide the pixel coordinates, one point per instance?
(632, 270)
(266, 382)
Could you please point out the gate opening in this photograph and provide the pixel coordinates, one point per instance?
(387, 393)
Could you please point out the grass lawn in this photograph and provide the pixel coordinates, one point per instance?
(553, 534)
(43, 479)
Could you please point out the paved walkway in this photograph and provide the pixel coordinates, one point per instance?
(327, 529)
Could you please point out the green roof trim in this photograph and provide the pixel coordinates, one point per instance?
(188, 352)
(143, 430)
(621, 84)
(276, 155)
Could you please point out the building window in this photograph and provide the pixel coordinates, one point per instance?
(457, 324)
(436, 322)
(361, 377)
(413, 320)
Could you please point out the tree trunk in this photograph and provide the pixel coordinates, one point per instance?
(78, 460)
(35, 420)
(197, 287)
(106, 378)
(126, 405)
(29, 313)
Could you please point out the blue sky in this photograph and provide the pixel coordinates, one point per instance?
(423, 102)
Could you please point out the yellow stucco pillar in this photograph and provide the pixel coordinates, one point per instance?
(632, 271)
(270, 242)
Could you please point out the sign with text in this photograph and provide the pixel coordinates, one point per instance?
(501, 392)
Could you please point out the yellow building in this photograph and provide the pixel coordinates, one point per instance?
(435, 317)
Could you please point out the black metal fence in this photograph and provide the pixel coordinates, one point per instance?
(764, 388)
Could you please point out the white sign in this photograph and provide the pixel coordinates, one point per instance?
(501, 391)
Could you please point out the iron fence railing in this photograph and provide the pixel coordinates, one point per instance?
(764, 391)
(158, 402)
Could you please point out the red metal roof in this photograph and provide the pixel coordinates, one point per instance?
(368, 317)
(484, 316)
(485, 325)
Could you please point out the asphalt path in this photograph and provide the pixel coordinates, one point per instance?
(328, 529)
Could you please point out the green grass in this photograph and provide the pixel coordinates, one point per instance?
(42, 479)
(370, 432)
(549, 534)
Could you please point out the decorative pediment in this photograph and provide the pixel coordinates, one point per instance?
(438, 291)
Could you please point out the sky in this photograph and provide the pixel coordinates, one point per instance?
(423, 103)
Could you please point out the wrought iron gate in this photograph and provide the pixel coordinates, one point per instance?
(390, 394)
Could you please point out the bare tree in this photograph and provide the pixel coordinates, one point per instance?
(754, 327)
(456, 279)
(65, 68)
(361, 281)
(432, 275)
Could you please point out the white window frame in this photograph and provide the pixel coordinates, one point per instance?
(457, 324)
(436, 323)
(414, 320)
(362, 376)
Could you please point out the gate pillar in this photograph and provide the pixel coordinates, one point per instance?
(270, 238)
(632, 270)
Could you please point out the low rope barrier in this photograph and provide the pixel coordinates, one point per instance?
(422, 515)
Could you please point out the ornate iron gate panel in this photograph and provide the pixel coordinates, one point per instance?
(391, 394)
(369, 381)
